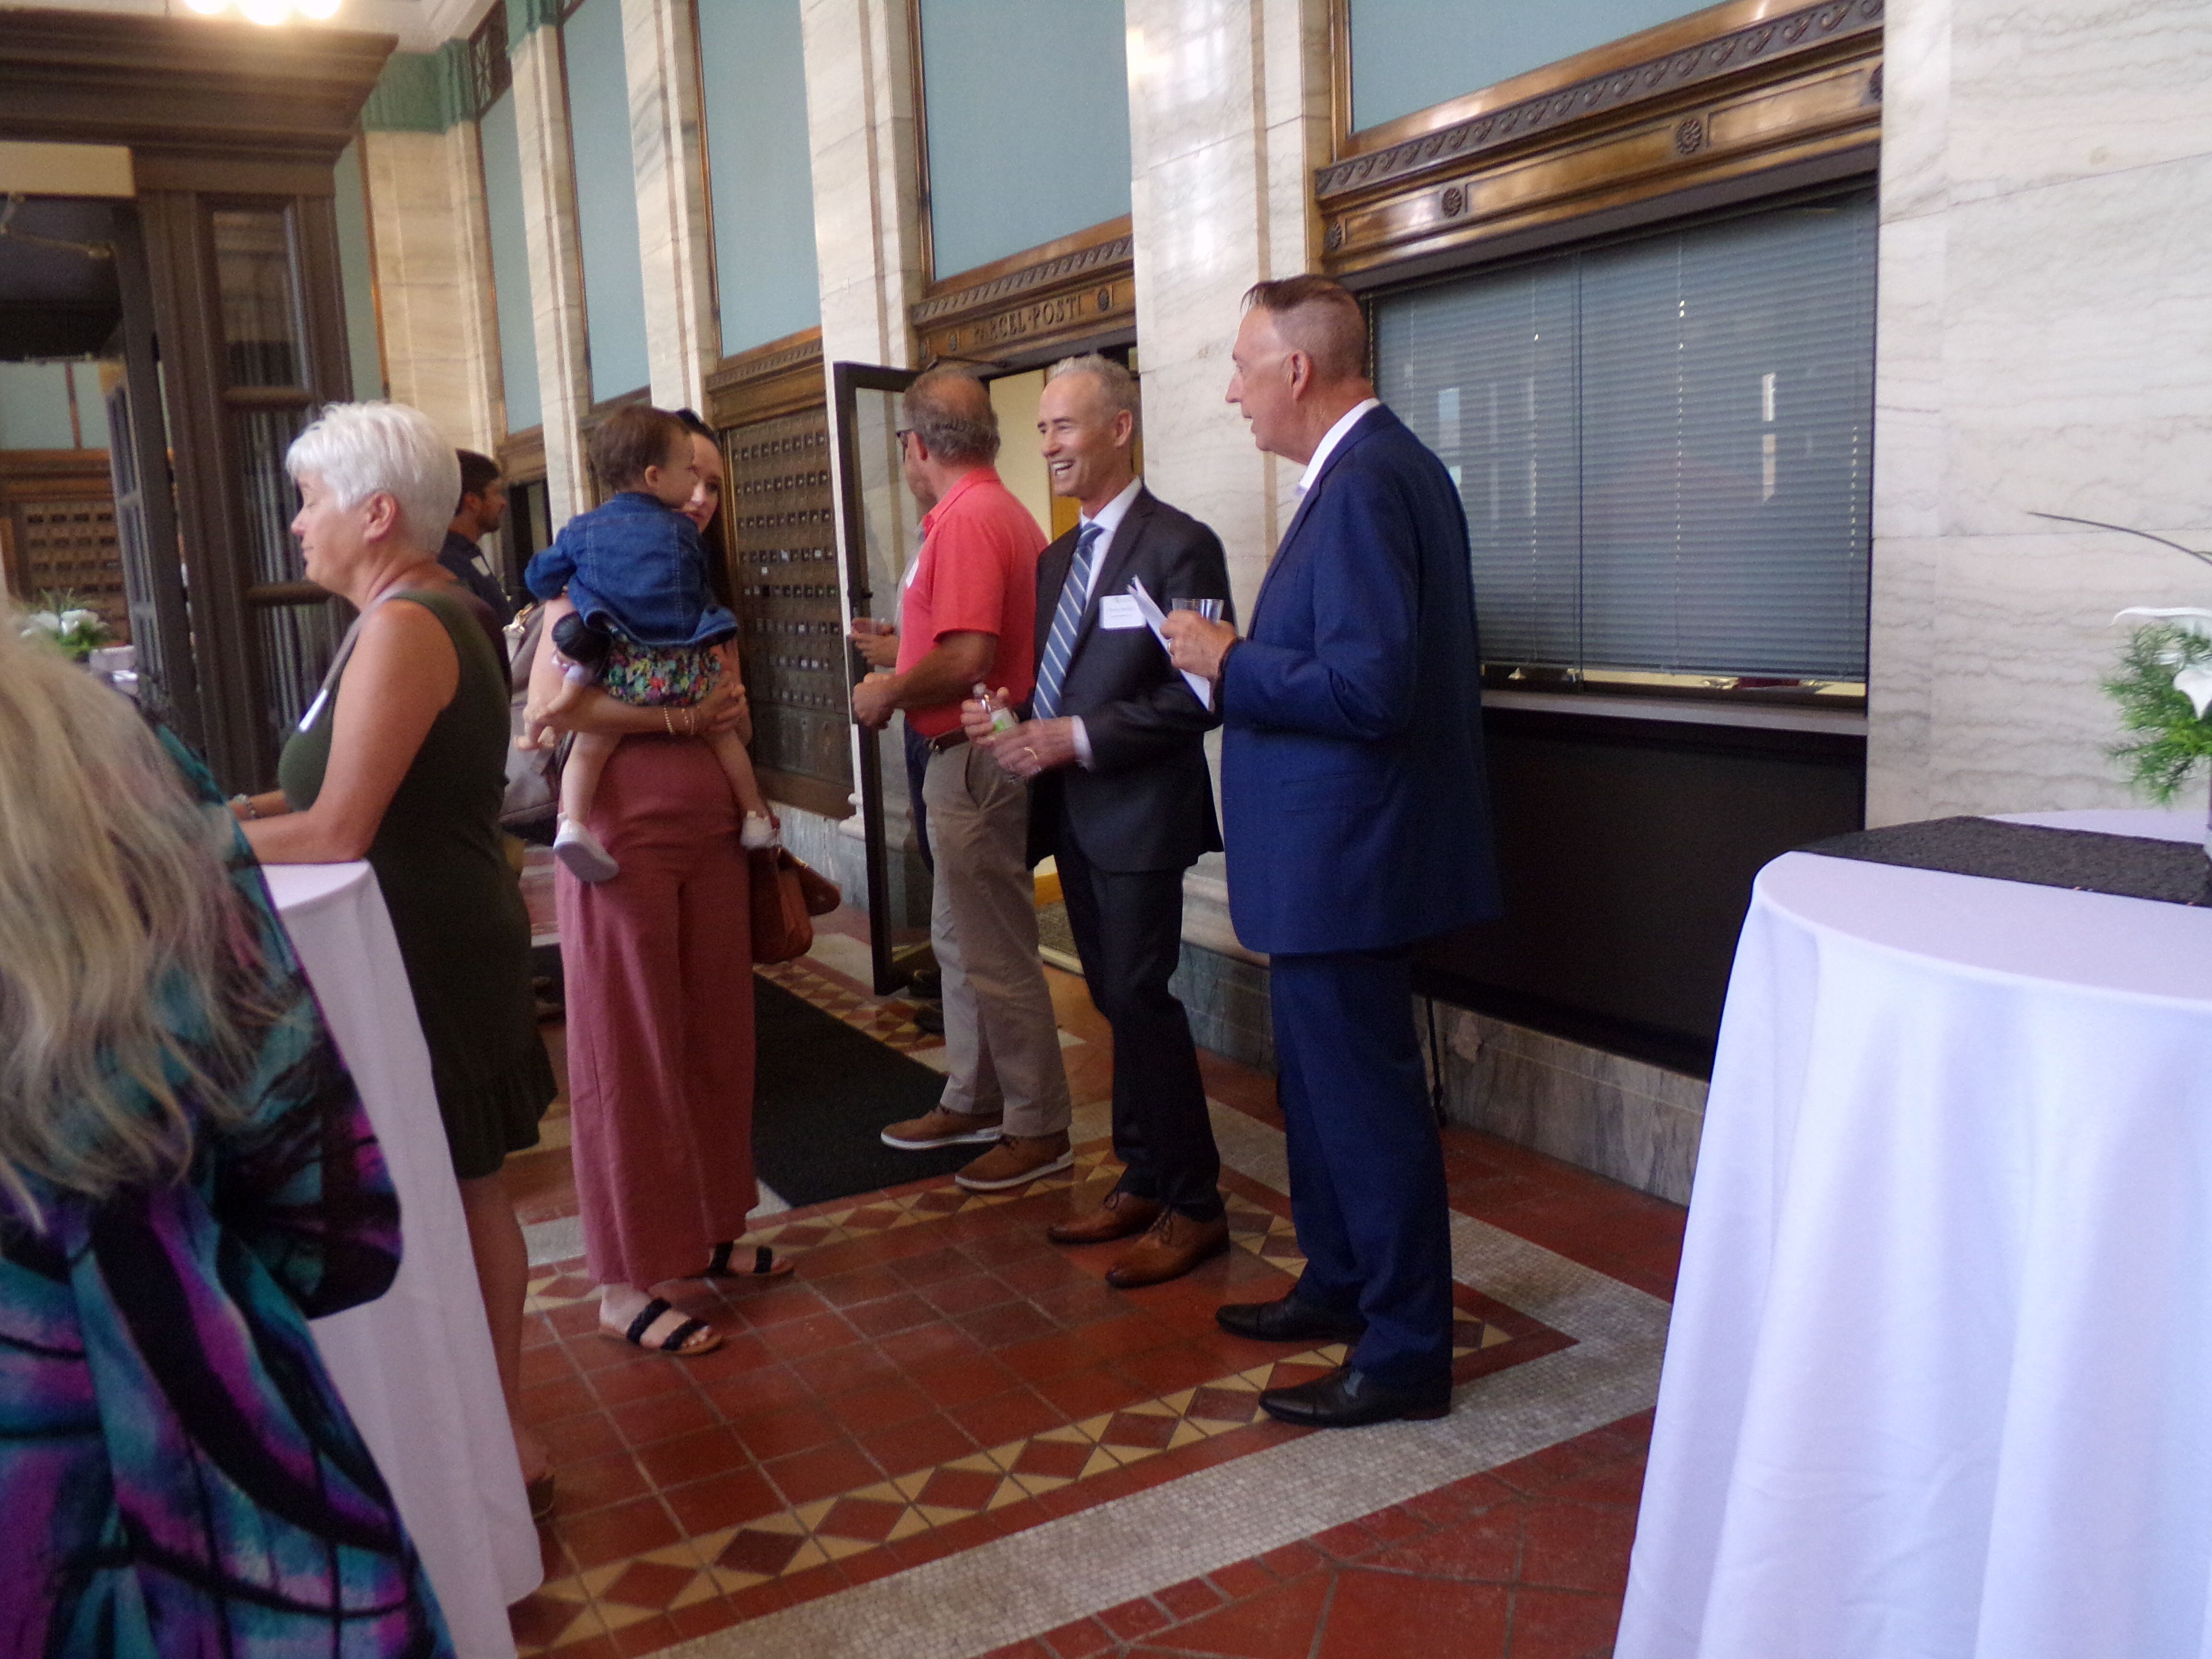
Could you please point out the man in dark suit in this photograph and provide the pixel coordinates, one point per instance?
(1122, 800)
(481, 510)
(1358, 824)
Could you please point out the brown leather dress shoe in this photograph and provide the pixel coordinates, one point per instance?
(1174, 1245)
(1123, 1216)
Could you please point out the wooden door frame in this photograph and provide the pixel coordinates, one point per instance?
(216, 113)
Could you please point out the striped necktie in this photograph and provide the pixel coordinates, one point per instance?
(1059, 644)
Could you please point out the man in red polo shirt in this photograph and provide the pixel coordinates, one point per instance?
(969, 614)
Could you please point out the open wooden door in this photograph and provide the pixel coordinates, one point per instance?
(878, 525)
(146, 505)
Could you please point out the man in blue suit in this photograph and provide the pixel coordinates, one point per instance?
(1356, 825)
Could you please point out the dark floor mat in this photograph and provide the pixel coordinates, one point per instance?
(822, 1094)
(1056, 939)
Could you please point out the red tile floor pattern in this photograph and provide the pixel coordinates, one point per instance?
(936, 1376)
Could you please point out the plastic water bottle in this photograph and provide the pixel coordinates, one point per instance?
(1002, 718)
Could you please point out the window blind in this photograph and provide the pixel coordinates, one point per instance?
(1663, 446)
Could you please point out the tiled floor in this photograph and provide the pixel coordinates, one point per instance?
(937, 1382)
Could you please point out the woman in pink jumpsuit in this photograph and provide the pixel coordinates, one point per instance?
(658, 964)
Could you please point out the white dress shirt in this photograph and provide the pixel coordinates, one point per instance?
(1330, 439)
(1108, 521)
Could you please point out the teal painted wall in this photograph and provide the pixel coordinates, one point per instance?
(357, 275)
(606, 199)
(510, 265)
(1028, 107)
(1409, 54)
(754, 76)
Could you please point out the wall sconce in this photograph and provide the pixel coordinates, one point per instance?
(268, 12)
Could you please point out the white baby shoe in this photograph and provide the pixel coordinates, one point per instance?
(580, 849)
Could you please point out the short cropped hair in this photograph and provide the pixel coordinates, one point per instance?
(694, 425)
(633, 438)
(478, 474)
(1118, 386)
(360, 450)
(949, 410)
(1319, 317)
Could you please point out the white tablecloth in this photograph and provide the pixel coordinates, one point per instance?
(1939, 1378)
(416, 1365)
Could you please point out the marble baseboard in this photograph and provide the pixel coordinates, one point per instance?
(1632, 1122)
(1227, 999)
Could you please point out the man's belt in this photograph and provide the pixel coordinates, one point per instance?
(945, 740)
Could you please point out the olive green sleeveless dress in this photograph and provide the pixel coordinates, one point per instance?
(455, 904)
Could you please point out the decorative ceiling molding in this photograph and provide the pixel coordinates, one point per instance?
(1763, 44)
(202, 89)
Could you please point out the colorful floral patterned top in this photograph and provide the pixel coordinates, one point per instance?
(178, 1475)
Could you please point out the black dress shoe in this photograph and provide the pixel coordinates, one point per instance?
(1288, 1320)
(1345, 1399)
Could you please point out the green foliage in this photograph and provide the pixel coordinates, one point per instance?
(71, 628)
(2168, 740)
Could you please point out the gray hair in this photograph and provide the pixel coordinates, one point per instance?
(949, 410)
(360, 450)
(1116, 383)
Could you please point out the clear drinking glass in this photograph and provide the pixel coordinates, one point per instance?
(1209, 609)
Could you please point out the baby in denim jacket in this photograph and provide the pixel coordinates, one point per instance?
(646, 630)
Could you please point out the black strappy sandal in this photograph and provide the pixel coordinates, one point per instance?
(765, 1266)
(674, 1344)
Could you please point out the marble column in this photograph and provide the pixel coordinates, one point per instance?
(433, 260)
(867, 223)
(1228, 115)
(557, 271)
(683, 342)
(867, 238)
(2045, 344)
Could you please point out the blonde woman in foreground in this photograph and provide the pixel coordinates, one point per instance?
(186, 1177)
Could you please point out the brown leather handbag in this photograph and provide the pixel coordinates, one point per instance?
(786, 895)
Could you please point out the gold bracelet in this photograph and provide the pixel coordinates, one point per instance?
(668, 720)
(691, 722)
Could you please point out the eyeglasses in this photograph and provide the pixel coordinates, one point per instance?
(902, 434)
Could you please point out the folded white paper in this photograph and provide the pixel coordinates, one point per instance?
(1201, 688)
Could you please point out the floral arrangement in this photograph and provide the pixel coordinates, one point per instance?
(2163, 686)
(74, 630)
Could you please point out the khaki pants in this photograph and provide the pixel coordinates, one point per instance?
(1000, 1038)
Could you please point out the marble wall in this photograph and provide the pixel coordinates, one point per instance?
(2045, 344)
(1228, 113)
(432, 251)
(557, 271)
(682, 342)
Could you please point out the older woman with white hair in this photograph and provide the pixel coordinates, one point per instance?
(401, 761)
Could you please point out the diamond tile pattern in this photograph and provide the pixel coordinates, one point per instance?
(937, 1375)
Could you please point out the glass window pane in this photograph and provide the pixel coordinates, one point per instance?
(606, 199)
(254, 278)
(1409, 54)
(1662, 446)
(762, 173)
(1028, 107)
(510, 265)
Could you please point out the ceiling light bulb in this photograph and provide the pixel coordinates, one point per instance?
(321, 10)
(266, 12)
(208, 7)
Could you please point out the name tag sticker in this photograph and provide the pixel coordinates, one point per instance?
(1119, 610)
